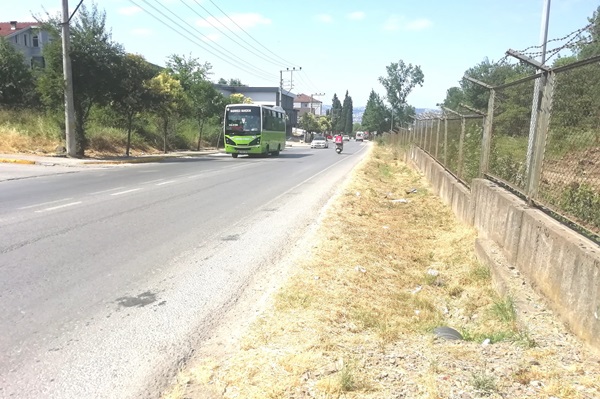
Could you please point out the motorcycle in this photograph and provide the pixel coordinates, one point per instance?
(339, 147)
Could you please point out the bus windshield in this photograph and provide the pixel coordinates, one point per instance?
(242, 120)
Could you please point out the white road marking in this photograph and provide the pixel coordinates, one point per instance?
(166, 182)
(126, 191)
(152, 181)
(106, 191)
(59, 206)
(46, 203)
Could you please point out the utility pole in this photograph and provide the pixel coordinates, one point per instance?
(68, 79)
(311, 101)
(291, 71)
(536, 90)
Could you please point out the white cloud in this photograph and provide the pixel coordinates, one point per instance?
(396, 22)
(249, 20)
(211, 37)
(418, 24)
(142, 32)
(357, 15)
(129, 10)
(324, 18)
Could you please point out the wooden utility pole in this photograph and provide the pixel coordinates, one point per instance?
(68, 79)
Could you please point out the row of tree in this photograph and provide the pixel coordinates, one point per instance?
(124, 86)
(380, 117)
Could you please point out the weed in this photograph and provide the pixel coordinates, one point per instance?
(484, 383)
(505, 310)
(480, 273)
(347, 380)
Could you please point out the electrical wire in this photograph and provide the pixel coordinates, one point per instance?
(245, 64)
(194, 41)
(265, 56)
(250, 36)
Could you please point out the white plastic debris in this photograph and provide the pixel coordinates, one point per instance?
(433, 272)
(316, 277)
(486, 342)
(360, 269)
(419, 288)
(386, 227)
(417, 312)
(401, 201)
(358, 193)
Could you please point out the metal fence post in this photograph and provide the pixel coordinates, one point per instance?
(540, 136)
(437, 138)
(461, 143)
(446, 142)
(486, 141)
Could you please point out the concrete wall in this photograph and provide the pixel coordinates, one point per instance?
(561, 265)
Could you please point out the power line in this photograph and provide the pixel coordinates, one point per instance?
(250, 36)
(266, 57)
(192, 40)
(256, 69)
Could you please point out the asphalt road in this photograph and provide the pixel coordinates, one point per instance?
(111, 277)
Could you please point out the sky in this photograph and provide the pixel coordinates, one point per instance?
(334, 45)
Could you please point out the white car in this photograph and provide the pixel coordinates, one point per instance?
(319, 142)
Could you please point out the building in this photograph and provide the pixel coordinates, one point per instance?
(305, 104)
(266, 96)
(28, 39)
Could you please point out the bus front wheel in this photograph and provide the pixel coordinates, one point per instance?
(234, 155)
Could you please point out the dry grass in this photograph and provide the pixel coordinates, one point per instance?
(360, 310)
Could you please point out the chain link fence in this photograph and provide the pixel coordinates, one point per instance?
(551, 159)
(510, 133)
(570, 180)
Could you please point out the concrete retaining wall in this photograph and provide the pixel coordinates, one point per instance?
(561, 265)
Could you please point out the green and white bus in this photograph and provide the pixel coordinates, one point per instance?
(254, 129)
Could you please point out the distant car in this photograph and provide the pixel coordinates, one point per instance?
(319, 142)
(360, 136)
(346, 137)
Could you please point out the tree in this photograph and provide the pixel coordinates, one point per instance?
(239, 98)
(590, 45)
(204, 100)
(454, 96)
(324, 124)
(188, 71)
(168, 100)
(309, 122)
(376, 117)
(95, 59)
(231, 82)
(401, 79)
(335, 112)
(347, 114)
(16, 80)
(134, 95)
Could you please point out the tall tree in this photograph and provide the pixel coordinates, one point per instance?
(401, 79)
(335, 112)
(94, 61)
(347, 114)
(16, 80)
(376, 117)
(134, 95)
(168, 100)
(205, 102)
(590, 45)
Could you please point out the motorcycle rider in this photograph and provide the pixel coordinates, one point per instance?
(339, 140)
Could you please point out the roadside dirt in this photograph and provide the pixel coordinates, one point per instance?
(352, 313)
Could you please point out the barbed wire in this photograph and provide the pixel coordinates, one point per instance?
(575, 32)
